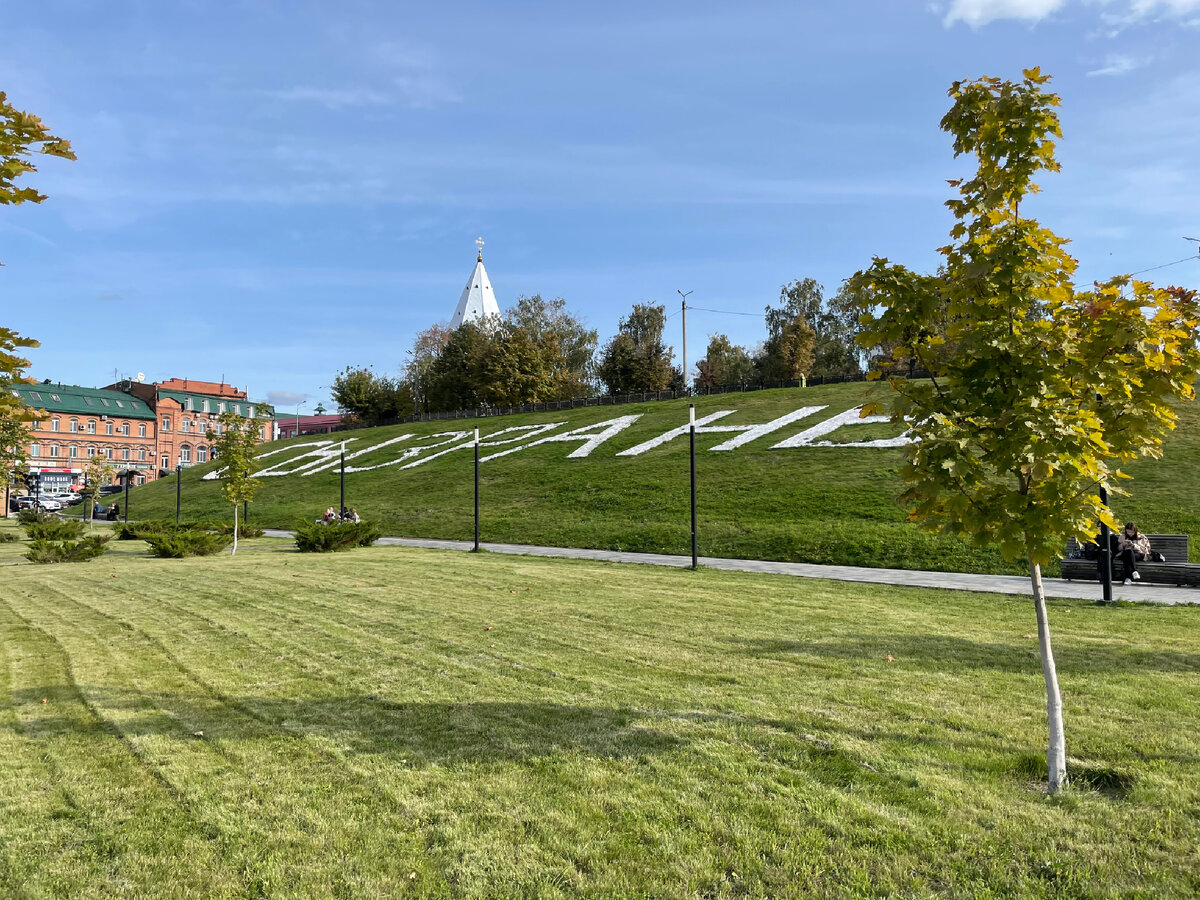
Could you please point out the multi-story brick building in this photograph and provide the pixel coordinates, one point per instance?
(74, 423)
(184, 412)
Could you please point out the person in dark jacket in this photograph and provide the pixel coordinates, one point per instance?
(1134, 547)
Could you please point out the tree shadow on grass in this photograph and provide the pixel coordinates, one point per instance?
(432, 732)
(942, 653)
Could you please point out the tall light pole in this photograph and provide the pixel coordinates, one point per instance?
(683, 310)
(298, 405)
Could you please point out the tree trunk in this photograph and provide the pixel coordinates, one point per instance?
(234, 550)
(1056, 750)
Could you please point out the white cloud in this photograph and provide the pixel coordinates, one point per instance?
(1118, 13)
(333, 98)
(1120, 64)
(285, 399)
(976, 13)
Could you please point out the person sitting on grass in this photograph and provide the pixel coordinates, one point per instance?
(1134, 547)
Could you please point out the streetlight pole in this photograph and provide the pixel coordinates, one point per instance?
(476, 490)
(692, 449)
(298, 405)
(683, 310)
(126, 510)
(178, 488)
(342, 501)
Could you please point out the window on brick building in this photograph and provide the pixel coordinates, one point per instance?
(108, 452)
(185, 454)
(108, 428)
(125, 454)
(54, 449)
(142, 429)
(125, 429)
(54, 424)
(91, 426)
(34, 450)
(73, 452)
(185, 426)
(202, 454)
(142, 454)
(166, 423)
(91, 451)
(165, 462)
(73, 426)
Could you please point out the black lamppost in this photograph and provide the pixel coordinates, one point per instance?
(128, 478)
(476, 490)
(692, 451)
(1105, 554)
(1105, 544)
(342, 500)
(178, 488)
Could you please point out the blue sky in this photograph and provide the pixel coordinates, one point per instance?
(270, 191)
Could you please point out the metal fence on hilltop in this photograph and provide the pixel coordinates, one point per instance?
(484, 411)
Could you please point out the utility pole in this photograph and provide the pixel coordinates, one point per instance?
(683, 310)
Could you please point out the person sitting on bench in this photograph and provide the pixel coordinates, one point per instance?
(1134, 547)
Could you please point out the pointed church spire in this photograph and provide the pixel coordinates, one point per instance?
(478, 301)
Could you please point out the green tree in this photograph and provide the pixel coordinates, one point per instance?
(97, 473)
(787, 353)
(458, 377)
(235, 445)
(426, 349)
(566, 348)
(371, 398)
(22, 134)
(14, 415)
(1037, 393)
(636, 359)
(724, 364)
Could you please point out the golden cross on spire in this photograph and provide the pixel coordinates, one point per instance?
(479, 244)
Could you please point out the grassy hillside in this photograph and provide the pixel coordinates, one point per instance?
(400, 723)
(810, 504)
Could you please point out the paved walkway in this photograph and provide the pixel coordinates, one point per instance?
(991, 584)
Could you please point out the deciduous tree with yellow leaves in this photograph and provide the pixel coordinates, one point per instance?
(1038, 393)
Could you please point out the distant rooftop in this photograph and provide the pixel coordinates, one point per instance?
(72, 399)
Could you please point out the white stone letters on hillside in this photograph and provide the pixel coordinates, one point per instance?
(747, 432)
(849, 417)
(321, 456)
(591, 435)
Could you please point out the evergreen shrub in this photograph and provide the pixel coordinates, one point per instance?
(44, 551)
(316, 537)
(50, 529)
(178, 544)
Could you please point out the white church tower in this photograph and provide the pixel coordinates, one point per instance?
(477, 301)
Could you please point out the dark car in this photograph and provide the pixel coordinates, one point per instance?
(110, 489)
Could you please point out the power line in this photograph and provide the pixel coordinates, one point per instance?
(1164, 265)
(724, 312)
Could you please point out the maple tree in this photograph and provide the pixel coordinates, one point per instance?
(21, 135)
(235, 443)
(1037, 392)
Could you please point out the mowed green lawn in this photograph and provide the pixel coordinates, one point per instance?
(394, 723)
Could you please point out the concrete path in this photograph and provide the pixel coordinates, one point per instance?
(991, 584)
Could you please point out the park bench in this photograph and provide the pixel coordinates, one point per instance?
(1176, 570)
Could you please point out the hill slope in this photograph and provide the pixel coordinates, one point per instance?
(822, 500)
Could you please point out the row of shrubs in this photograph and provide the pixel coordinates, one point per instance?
(55, 540)
(140, 531)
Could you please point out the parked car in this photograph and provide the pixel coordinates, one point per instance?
(110, 489)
